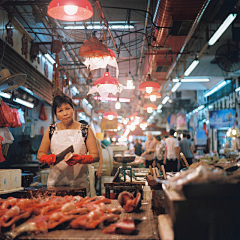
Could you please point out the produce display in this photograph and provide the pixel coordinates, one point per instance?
(18, 216)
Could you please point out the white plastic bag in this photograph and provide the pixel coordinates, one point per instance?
(7, 136)
(21, 115)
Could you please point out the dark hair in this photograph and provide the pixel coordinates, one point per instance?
(59, 100)
(158, 137)
(179, 139)
(172, 131)
(184, 135)
(188, 136)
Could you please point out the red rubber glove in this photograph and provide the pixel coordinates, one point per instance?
(49, 159)
(82, 159)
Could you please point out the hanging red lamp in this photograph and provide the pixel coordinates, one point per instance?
(149, 86)
(70, 10)
(95, 62)
(106, 85)
(93, 48)
(149, 107)
(110, 115)
(152, 96)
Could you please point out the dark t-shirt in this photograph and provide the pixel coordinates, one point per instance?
(185, 145)
(138, 149)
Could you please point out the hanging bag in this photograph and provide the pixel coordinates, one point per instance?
(6, 115)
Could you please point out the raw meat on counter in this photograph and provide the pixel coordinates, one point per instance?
(128, 202)
(126, 226)
(41, 215)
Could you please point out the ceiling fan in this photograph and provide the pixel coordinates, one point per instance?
(10, 82)
(227, 57)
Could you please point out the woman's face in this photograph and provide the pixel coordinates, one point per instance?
(65, 113)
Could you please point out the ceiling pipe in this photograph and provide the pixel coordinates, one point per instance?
(162, 17)
(193, 28)
(48, 27)
(163, 33)
(65, 52)
(143, 41)
(191, 44)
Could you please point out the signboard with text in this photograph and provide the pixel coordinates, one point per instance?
(224, 118)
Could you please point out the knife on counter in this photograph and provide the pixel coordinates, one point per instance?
(62, 154)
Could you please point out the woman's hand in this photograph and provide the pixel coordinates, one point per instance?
(82, 159)
(49, 159)
(143, 154)
(99, 173)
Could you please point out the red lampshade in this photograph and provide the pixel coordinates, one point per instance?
(111, 113)
(154, 85)
(70, 10)
(150, 105)
(93, 48)
(106, 79)
(157, 94)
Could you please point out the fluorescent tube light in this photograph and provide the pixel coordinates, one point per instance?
(222, 28)
(25, 103)
(191, 80)
(176, 86)
(237, 89)
(217, 87)
(191, 67)
(159, 107)
(165, 100)
(75, 90)
(201, 107)
(98, 27)
(5, 95)
(49, 58)
(85, 101)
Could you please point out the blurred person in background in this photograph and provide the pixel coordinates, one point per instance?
(186, 148)
(105, 142)
(149, 151)
(137, 147)
(171, 153)
(159, 150)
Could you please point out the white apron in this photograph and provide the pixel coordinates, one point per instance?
(61, 174)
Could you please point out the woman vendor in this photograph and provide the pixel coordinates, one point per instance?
(60, 136)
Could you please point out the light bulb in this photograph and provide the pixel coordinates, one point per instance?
(153, 98)
(118, 105)
(136, 121)
(228, 134)
(149, 110)
(110, 117)
(132, 128)
(125, 121)
(70, 9)
(149, 89)
(118, 128)
(234, 132)
(129, 83)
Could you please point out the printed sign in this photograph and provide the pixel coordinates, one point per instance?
(222, 118)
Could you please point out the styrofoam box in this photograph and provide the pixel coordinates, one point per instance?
(16, 178)
(10, 178)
